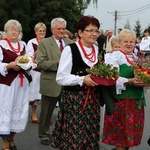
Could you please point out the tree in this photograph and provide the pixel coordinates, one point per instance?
(30, 12)
(15, 9)
(148, 29)
(138, 29)
(127, 25)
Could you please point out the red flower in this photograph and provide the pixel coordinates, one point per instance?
(80, 132)
(71, 121)
(80, 122)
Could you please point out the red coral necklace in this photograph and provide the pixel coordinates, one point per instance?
(37, 40)
(91, 56)
(129, 61)
(16, 50)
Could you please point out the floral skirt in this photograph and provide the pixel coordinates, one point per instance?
(75, 130)
(125, 126)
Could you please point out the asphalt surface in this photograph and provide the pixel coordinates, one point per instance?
(28, 140)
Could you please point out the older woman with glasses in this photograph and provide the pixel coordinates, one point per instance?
(78, 124)
(14, 85)
(124, 127)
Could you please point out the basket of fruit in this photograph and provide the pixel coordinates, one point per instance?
(142, 69)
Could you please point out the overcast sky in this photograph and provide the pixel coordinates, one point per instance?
(126, 9)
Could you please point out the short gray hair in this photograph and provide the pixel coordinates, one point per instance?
(60, 20)
(126, 32)
(12, 22)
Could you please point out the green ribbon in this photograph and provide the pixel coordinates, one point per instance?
(141, 101)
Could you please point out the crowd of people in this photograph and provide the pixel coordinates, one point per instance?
(57, 73)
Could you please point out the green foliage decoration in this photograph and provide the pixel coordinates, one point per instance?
(103, 70)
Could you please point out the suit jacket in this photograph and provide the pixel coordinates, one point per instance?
(48, 55)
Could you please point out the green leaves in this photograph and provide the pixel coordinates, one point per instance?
(103, 70)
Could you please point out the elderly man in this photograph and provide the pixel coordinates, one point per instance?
(48, 55)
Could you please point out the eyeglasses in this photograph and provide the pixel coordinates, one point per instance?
(16, 31)
(92, 31)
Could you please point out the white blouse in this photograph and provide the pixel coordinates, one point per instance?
(29, 48)
(64, 76)
(117, 59)
(145, 44)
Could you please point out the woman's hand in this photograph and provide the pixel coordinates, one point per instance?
(13, 65)
(88, 81)
(33, 60)
(136, 82)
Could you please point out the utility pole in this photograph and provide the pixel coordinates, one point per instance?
(115, 24)
(115, 20)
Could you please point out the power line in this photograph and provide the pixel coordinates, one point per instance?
(133, 15)
(128, 13)
(135, 9)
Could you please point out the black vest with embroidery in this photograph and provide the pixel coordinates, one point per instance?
(78, 67)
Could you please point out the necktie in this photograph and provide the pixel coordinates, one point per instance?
(61, 45)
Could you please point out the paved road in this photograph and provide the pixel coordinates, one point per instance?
(28, 140)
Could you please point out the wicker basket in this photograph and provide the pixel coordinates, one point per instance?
(143, 76)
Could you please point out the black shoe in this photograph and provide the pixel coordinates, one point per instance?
(14, 147)
(45, 142)
(148, 141)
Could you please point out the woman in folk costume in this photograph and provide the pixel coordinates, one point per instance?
(124, 127)
(31, 50)
(78, 124)
(14, 86)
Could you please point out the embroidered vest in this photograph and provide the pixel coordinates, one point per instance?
(132, 91)
(76, 68)
(77, 59)
(10, 56)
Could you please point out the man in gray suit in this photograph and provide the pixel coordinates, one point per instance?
(48, 55)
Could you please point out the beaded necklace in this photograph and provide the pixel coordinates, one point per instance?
(91, 56)
(16, 50)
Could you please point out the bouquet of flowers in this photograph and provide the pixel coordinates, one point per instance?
(104, 74)
(142, 69)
